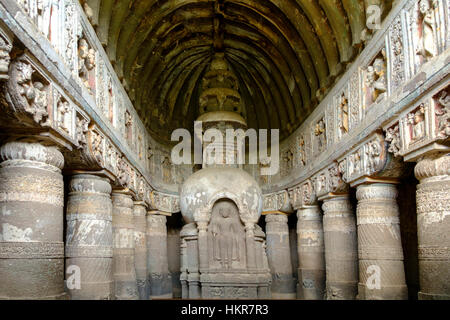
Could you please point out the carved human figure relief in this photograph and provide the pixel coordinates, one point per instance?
(128, 127)
(376, 79)
(82, 127)
(5, 59)
(442, 111)
(343, 122)
(427, 46)
(320, 135)
(227, 235)
(416, 120)
(288, 157)
(393, 138)
(301, 150)
(166, 169)
(86, 63)
(63, 114)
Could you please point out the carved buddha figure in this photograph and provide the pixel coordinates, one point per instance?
(225, 231)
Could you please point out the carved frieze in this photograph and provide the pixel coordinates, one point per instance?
(354, 100)
(165, 202)
(5, 50)
(441, 103)
(365, 160)
(278, 201)
(329, 180)
(397, 54)
(63, 116)
(420, 126)
(375, 80)
(29, 91)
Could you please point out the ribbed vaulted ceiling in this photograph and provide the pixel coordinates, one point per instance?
(285, 53)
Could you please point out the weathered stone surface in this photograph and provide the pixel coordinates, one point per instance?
(341, 248)
(125, 285)
(174, 259)
(311, 253)
(31, 222)
(279, 257)
(381, 270)
(158, 268)
(89, 240)
(140, 249)
(433, 224)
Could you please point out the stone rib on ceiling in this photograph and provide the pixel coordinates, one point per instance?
(286, 54)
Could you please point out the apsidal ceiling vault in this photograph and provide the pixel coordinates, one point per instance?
(285, 53)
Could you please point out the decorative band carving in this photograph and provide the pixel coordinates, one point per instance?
(31, 250)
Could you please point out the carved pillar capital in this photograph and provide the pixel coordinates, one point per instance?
(429, 167)
(276, 218)
(336, 202)
(32, 151)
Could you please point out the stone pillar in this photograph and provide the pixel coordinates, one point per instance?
(89, 240)
(158, 267)
(140, 249)
(311, 253)
(174, 260)
(381, 271)
(341, 248)
(183, 274)
(250, 245)
(123, 233)
(190, 261)
(279, 256)
(31, 222)
(433, 226)
(203, 245)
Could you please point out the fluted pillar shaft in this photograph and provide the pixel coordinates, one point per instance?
(158, 266)
(341, 248)
(140, 249)
(279, 256)
(31, 222)
(123, 232)
(433, 226)
(89, 240)
(381, 270)
(311, 253)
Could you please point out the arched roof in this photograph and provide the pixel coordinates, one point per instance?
(285, 53)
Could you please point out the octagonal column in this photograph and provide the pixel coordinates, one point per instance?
(140, 249)
(341, 248)
(381, 270)
(123, 233)
(433, 226)
(89, 238)
(158, 265)
(311, 252)
(31, 222)
(279, 256)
